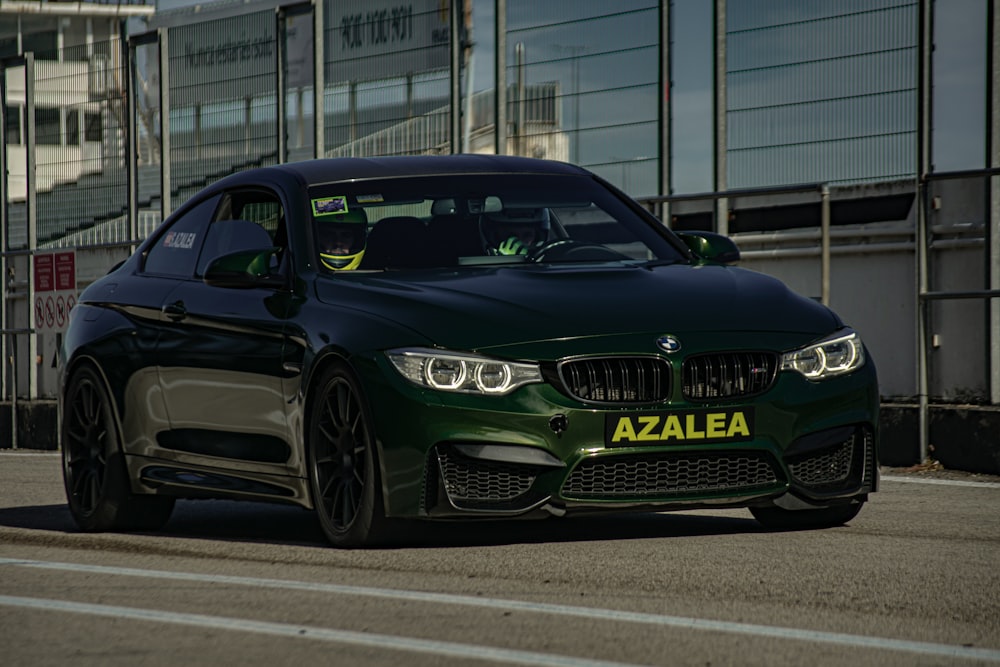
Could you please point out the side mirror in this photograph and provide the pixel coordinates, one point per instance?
(243, 269)
(711, 247)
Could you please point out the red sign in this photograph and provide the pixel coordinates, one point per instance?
(55, 272)
(44, 273)
(55, 289)
(65, 271)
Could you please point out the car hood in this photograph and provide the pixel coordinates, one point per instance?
(501, 306)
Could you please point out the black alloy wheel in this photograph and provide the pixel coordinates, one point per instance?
(343, 463)
(94, 473)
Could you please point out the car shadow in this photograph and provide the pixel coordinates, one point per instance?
(235, 521)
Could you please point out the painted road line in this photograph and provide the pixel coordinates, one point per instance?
(940, 482)
(392, 642)
(774, 632)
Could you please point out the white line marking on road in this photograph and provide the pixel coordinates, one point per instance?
(25, 452)
(450, 649)
(841, 639)
(940, 482)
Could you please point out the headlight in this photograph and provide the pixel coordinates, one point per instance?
(837, 355)
(464, 373)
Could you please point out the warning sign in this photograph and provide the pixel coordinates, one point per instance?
(55, 289)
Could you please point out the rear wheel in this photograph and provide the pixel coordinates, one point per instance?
(94, 473)
(343, 463)
(775, 518)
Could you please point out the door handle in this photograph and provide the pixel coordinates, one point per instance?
(175, 311)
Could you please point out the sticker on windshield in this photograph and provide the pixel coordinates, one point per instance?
(329, 206)
(370, 199)
(181, 240)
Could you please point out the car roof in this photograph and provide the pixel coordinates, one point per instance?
(330, 170)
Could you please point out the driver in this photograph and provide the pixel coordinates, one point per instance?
(514, 231)
(342, 239)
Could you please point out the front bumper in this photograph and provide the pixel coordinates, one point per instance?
(447, 456)
(460, 483)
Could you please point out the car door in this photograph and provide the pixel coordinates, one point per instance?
(132, 356)
(221, 350)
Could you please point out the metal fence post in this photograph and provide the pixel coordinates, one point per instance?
(163, 53)
(993, 214)
(925, 39)
(32, 208)
(132, 145)
(824, 194)
(500, 72)
(319, 81)
(4, 225)
(721, 182)
(281, 113)
(664, 117)
(455, 127)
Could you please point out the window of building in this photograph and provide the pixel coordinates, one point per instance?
(72, 127)
(93, 131)
(42, 44)
(959, 86)
(47, 130)
(13, 125)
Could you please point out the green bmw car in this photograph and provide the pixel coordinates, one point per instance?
(454, 338)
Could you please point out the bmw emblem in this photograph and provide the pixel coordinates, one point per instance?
(668, 344)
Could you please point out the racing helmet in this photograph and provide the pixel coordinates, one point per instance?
(341, 239)
(514, 231)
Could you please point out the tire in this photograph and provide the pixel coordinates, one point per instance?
(775, 518)
(343, 463)
(94, 473)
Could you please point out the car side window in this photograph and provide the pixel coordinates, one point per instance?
(245, 220)
(176, 250)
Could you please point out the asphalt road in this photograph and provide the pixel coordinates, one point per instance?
(914, 580)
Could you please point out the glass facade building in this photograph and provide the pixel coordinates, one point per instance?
(820, 92)
(604, 57)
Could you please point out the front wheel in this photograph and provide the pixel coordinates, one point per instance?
(343, 472)
(94, 473)
(775, 518)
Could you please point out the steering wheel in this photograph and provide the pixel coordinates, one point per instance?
(570, 250)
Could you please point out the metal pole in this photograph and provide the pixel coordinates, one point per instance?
(13, 394)
(247, 126)
(455, 127)
(352, 115)
(4, 229)
(519, 147)
(925, 41)
(281, 43)
(319, 80)
(132, 141)
(470, 70)
(719, 109)
(665, 104)
(7, 379)
(824, 194)
(31, 202)
(993, 146)
(163, 53)
(500, 75)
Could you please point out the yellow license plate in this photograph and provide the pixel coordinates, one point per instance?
(688, 427)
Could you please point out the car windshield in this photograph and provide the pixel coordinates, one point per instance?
(422, 222)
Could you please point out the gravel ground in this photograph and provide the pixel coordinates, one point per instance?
(934, 470)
